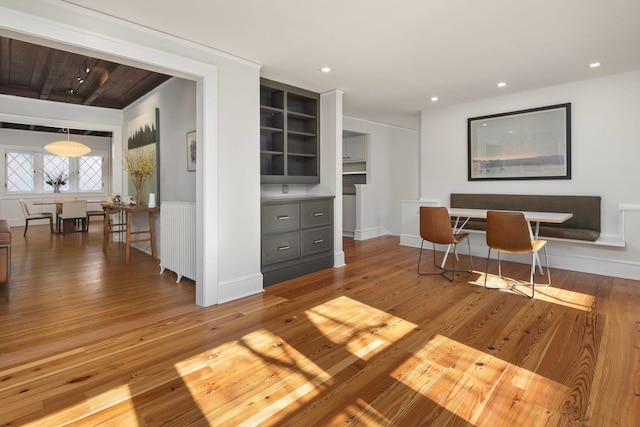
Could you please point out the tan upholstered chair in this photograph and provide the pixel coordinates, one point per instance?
(435, 227)
(30, 215)
(75, 210)
(59, 201)
(508, 232)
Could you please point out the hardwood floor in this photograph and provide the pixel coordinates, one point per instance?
(88, 340)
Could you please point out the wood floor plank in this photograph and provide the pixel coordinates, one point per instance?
(615, 396)
(369, 344)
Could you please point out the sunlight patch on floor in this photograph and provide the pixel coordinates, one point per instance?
(576, 300)
(119, 397)
(463, 379)
(339, 333)
(303, 394)
(346, 321)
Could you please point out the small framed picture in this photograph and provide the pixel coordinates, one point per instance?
(191, 151)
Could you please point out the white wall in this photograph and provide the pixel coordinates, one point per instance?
(604, 150)
(238, 184)
(392, 176)
(18, 138)
(604, 138)
(176, 100)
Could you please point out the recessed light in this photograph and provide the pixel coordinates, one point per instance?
(325, 69)
(501, 84)
(434, 98)
(594, 65)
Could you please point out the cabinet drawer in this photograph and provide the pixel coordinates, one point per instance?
(280, 217)
(280, 247)
(317, 213)
(316, 240)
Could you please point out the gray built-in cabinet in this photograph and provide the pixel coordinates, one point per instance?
(297, 237)
(289, 134)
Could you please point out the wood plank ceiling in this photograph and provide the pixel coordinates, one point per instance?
(39, 72)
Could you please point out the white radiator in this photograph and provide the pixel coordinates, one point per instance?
(178, 239)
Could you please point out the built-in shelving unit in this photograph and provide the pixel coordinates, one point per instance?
(297, 237)
(289, 143)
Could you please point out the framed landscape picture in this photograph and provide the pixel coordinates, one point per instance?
(526, 144)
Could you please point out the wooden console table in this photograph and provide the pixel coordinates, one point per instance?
(129, 210)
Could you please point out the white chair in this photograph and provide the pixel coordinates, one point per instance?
(31, 215)
(73, 210)
(59, 201)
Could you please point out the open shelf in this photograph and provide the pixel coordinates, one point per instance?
(289, 148)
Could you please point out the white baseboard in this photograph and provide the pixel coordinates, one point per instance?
(239, 287)
(562, 255)
(370, 233)
(410, 240)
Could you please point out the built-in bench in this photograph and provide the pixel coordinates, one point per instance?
(5, 256)
(584, 225)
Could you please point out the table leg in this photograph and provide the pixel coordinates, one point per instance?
(105, 229)
(534, 236)
(152, 235)
(456, 229)
(127, 246)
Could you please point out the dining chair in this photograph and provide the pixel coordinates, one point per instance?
(59, 201)
(508, 232)
(435, 227)
(31, 215)
(75, 210)
(95, 212)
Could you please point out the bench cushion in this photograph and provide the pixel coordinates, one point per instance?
(585, 224)
(5, 232)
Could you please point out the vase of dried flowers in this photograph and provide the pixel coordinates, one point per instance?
(56, 181)
(140, 167)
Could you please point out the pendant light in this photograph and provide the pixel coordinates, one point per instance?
(67, 148)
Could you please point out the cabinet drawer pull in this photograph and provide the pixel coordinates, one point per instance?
(315, 242)
(284, 248)
(318, 214)
(283, 217)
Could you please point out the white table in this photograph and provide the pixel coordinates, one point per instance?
(464, 215)
(537, 217)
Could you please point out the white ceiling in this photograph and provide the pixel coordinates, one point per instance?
(390, 58)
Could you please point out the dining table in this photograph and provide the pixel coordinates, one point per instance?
(58, 205)
(461, 217)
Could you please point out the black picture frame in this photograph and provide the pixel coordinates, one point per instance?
(520, 145)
